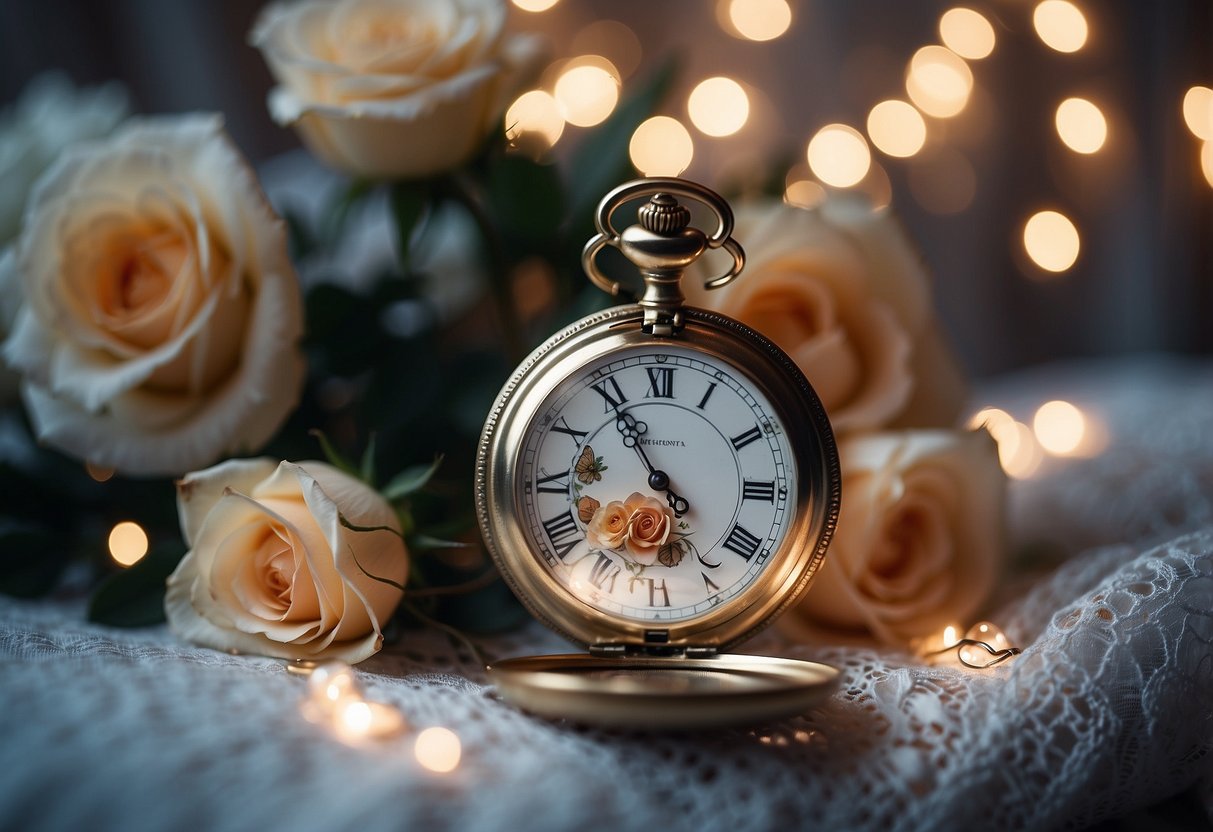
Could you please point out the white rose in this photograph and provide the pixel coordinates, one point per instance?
(50, 116)
(272, 570)
(161, 315)
(842, 291)
(919, 542)
(390, 89)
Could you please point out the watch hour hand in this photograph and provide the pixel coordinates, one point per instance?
(659, 480)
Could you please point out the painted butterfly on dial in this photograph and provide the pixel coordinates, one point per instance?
(589, 468)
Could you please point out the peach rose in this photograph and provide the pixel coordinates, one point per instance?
(161, 316)
(919, 539)
(272, 570)
(609, 526)
(842, 291)
(649, 523)
(389, 89)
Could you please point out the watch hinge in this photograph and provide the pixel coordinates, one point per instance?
(651, 649)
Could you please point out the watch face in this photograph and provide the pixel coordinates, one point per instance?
(656, 483)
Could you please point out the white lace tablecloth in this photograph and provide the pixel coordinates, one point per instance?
(1108, 711)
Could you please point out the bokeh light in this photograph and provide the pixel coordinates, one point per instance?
(612, 39)
(661, 146)
(896, 128)
(938, 81)
(759, 19)
(1061, 25)
(1206, 162)
(1081, 125)
(535, 114)
(1198, 112)
(839, 155)
(127, 543)
(1018, 453)
(438, 749)
(587, 91)
(967, 33)
(99, 473)
(718, 106)
(1059, 427)
(803, 192)
(535, 5)
(1051, 240)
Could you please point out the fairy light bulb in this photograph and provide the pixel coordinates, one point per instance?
(438, 749)
(977, 657)
(1060, 25)
(838, 155)
(332, 683)
(127, 543)
(1051, 240)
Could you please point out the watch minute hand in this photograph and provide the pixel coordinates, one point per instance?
(659, 480)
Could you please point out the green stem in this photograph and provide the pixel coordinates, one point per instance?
(465, 192)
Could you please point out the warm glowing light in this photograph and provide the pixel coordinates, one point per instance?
(587, 93)
(535, 113)
(1051, 240)
(99, 472)
(1061, 25)
(614, 40)
(760, 19)
(1206, 162)
(1081, 125)
(1018, 452)
(718, 106)
(1059, 427)
(804, 193)
(967, 33)
(938, 81)
(128, 543)
(333, 682)
(535, 5)
(896, 128)
(661, 146)
(356, 717)
(949, 635)
(438, 749)
(1198, 112)
(839, 155)
(991, 634)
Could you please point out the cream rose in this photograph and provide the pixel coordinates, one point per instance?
(161, 316)
(50, 116)
(842, 291)
(390, 89)
(649, 524)
(271, 568)
(919, 539)
(608, 527)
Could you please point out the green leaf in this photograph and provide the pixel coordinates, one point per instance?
(527, 198)
(408, 201)
(31, 562)
(367, 468)
(601, 162)
(300, 241)
(425, 543)
(410, 480)
(134, 597)
(333, 456)
(345, 202)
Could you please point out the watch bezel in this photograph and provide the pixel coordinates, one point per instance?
(792, 566)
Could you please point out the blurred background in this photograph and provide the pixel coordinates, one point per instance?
(1053, 160)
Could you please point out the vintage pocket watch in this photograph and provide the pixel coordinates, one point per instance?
(658, 483)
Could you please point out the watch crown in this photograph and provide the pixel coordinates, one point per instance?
(663, 215)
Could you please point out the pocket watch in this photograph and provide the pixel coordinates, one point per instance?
(657, 483)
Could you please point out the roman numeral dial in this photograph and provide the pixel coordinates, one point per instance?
(689, 437)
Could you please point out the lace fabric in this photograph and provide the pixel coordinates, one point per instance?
(1109, 708)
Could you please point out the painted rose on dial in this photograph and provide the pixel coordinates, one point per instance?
(648, 528)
